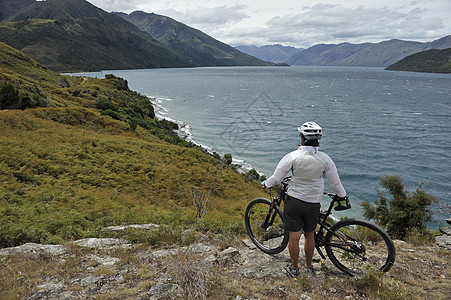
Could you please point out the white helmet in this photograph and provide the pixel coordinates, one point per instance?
(310, 131)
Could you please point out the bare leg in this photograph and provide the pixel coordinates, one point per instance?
(309, 247)
(293, 247)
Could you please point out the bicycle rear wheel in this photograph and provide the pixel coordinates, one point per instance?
(356, 246)
(265, 226)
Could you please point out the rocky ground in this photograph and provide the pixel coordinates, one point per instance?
(116, 269)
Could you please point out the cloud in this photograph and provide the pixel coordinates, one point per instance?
(117, 5)
(262, 22)
(325, 23)
(209, 17)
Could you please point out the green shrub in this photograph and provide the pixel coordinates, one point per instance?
(114, 114)
(252, 175)
(13, 98)
(228, 158)
(9, 96)
(403, 212)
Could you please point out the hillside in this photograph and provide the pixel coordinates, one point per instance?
(197, 47)
(74, 35)
(380, 54)
(91, 154)
(432, 61)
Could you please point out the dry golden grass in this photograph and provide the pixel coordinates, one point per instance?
(68, 181)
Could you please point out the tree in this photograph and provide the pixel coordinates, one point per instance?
(403, 212)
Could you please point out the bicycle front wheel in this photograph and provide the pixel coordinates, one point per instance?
(265, 226)
(357, 246)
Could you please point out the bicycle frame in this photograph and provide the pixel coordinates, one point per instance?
(324, 226)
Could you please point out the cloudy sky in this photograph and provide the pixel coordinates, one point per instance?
(301, 23)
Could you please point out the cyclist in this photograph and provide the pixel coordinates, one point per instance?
(302, 204)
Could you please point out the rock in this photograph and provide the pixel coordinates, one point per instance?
(229, 252)
(90, 280)
(51, 291)
(104, 261)
(228, 255)
(162, 253)
(165, 291)
(142, 226)
(103, 243)
(63, 82)
(35, 249)
(444, 241)
(446, 230)
(249, 244)
(211, 258)
(200, 248)
(50, 286)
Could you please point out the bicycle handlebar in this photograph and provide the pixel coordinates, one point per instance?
(336, 198)
(330, 195)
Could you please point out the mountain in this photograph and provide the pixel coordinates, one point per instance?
(380, 54)
(194, 45)
(74, 35)
(432, 61)
(273, 53)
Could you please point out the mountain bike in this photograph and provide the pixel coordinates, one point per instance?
(354, 246)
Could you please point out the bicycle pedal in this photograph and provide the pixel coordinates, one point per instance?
(323, 261)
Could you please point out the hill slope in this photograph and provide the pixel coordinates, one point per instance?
(194, 45)
(93, 155)
(380, 54)
(74, 35)
(432, 61)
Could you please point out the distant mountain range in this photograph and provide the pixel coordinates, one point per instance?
(432, 61)
(274, 53)
(380, 54)
(74, 35)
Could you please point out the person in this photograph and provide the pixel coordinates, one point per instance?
(302, 204)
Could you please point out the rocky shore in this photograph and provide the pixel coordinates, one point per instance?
(112, 268)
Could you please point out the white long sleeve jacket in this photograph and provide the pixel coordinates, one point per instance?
(308, 165)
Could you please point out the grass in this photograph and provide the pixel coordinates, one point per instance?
(63, 181)
(95, 156)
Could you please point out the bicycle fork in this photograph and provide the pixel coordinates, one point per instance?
(269, 220)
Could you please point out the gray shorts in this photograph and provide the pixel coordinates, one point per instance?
(299, 215)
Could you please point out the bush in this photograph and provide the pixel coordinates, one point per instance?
(228, 158)
(252, 175)
(12, 98)
(404, 212)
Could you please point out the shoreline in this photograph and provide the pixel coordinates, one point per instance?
(184, 132)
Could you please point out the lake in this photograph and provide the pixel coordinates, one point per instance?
(374, 122)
